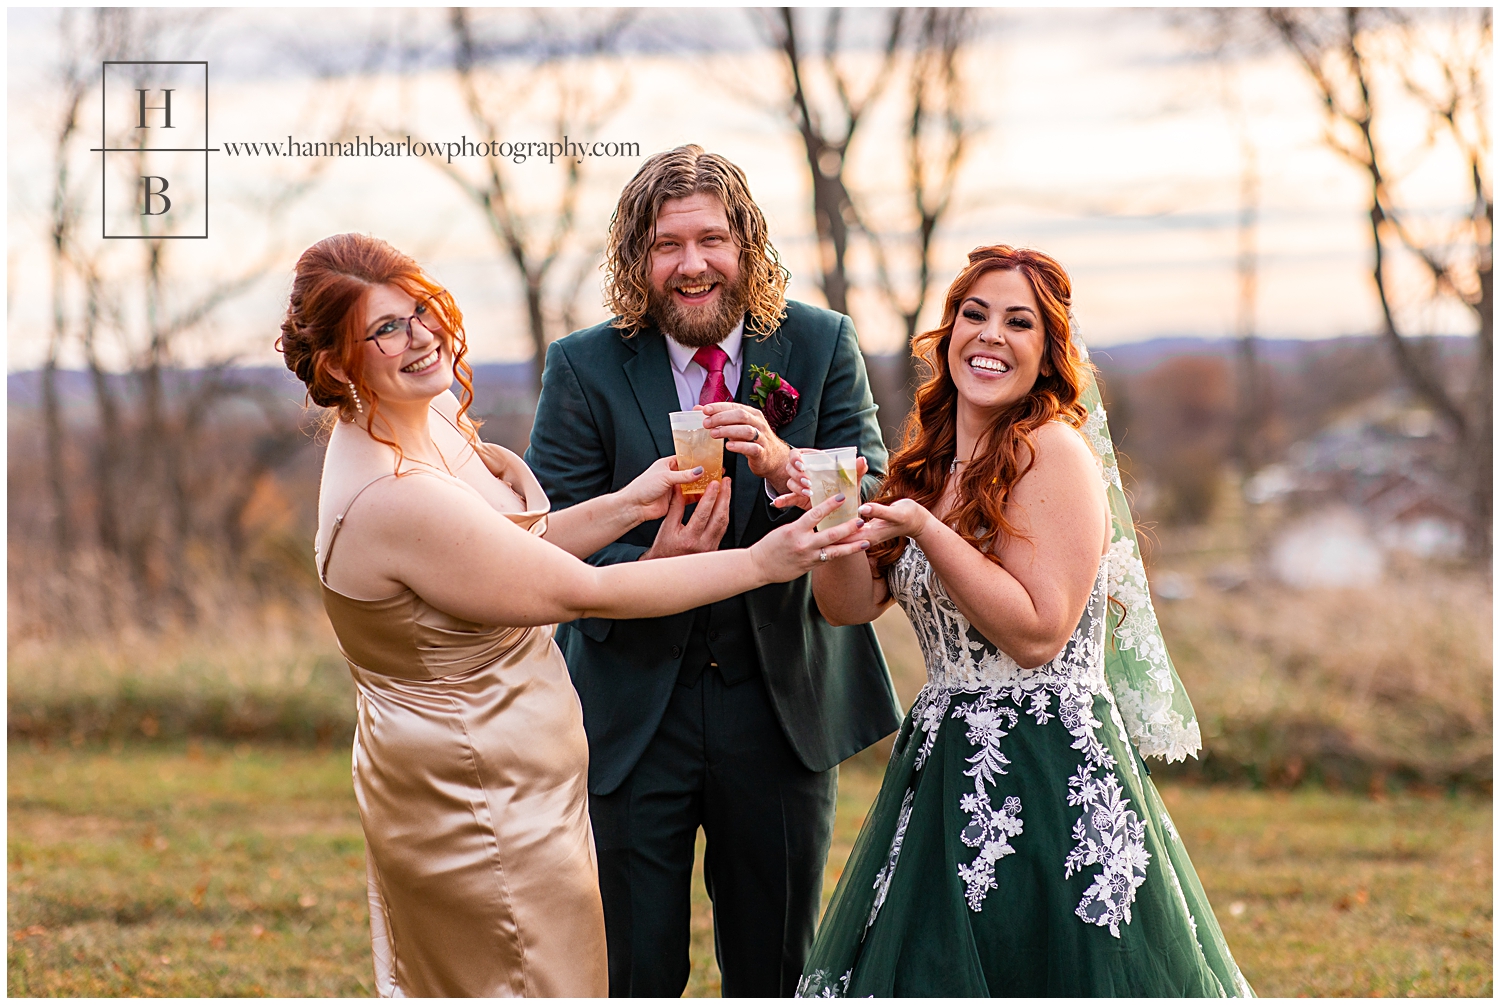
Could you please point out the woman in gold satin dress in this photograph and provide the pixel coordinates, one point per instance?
(443, 574)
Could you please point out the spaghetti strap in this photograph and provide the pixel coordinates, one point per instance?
(338, 522)
(456, 428)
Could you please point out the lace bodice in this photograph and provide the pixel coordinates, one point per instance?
(959, 658)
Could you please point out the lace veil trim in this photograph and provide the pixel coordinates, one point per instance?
(1150, 696)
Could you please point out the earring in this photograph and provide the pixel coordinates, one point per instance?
(358, 406)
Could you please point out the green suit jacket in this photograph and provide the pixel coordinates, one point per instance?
(600, 422)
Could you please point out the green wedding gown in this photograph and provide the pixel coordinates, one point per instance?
(1018, 846)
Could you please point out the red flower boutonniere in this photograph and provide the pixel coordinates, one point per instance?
(773, 396)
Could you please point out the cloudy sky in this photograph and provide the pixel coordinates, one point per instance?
(1101, 137)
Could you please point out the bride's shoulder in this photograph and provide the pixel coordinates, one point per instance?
(1061, 439)
(1061, 450)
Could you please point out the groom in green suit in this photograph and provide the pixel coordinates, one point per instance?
(732, 717)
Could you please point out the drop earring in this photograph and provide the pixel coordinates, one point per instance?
(358, 405)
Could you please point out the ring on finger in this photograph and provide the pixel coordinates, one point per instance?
(755, 435)
(822, 555)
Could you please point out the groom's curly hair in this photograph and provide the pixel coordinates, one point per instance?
(677, 174)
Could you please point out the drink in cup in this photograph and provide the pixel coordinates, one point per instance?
(694, 447)
(830, 472)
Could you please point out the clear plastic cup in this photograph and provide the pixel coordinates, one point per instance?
(830, 472)
(695, 446)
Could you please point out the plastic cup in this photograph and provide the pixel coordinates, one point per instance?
(695, 446)
(830, 472)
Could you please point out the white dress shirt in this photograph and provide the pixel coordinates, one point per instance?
(689, 376)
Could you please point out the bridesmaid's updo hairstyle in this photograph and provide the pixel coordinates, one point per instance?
(322, 328)
(929, 438)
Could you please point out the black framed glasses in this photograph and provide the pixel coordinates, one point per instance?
(394, 336)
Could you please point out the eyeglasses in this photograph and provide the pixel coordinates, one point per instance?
(394, 336)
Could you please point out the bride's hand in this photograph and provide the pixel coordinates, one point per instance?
(788, 552)
(650, 492)
(902, 518)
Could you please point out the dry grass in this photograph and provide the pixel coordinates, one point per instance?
(173, 870)
(1359, 688)
(178, 869)
(1368, 688)
(277, 678)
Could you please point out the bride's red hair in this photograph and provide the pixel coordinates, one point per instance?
(919, 469)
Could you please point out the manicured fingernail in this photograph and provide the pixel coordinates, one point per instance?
(864, 511)
(858, 524)
(864, 545)
(698, 470)
(839, 498)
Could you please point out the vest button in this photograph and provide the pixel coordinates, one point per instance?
(676, 652)
(713, 636)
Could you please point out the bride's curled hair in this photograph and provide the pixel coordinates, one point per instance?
(919, 468)
(321, 331)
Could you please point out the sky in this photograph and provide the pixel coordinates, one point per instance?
(1099, 136)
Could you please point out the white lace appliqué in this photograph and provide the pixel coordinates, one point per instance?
(887, 871)
(989, 829)
(927, 715)
(1157, 728)
(1109, 834)
(820, 984)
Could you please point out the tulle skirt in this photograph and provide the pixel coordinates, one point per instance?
(1018, 847)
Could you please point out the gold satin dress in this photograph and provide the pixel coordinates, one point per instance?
(470, 768)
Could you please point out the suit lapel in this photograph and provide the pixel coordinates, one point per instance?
(650, 376)
(773, 353)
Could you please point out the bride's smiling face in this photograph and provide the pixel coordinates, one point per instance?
(395, 368)
(998, 346)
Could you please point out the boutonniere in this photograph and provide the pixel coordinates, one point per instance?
(776, 399)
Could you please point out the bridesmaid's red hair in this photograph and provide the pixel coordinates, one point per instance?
(321, 330)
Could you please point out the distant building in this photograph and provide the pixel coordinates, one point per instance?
(1368, 483)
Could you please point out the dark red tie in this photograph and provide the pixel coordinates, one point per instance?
(712, 359)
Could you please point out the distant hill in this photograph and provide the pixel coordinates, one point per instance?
(1286, 354)
(496, 385)
(505, 388)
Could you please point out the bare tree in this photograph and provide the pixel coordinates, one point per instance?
(937, 138)
(79, 75)
(829, 127)
(155, 489)
(1223, 30)
(1356, 59)
(535, 243)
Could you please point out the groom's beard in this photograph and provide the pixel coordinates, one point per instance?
(696, 327)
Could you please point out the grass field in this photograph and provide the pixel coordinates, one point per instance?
(187, 869)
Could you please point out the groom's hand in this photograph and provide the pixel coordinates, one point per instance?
(744, 430)
(703, 531)
(799, 488)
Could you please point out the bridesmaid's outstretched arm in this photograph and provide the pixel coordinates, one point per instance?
(459, 555)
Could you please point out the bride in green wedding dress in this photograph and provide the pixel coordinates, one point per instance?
(1018, 845)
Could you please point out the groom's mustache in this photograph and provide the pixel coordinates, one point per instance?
(701, 324)
(706, 278)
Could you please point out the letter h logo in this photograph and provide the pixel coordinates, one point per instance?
(154, 149)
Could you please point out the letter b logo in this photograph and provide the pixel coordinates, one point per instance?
(150, 193)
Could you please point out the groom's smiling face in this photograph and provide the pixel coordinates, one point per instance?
(697, 293)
